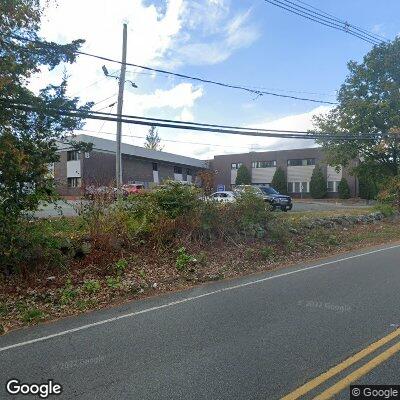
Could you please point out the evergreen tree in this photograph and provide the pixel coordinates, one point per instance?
(279, 181)
(243, 176)
(368, 189)
(153, 140)
(318, 187)
(344, 189)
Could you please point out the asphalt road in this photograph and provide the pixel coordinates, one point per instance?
(258, 337)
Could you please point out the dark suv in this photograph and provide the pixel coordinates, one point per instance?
(276, 199)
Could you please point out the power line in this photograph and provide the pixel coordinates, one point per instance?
(353, 26)
(107, 98)
(208, 81)
(153, 121)
(168, 140)
(188, 77)
(334, 22)
(257, 87)
(326, 20)
(314, 18)
(190, 126)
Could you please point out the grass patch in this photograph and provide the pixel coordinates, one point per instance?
(32, 315)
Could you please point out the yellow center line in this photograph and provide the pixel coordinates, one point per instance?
(358, 373)
(340, 367)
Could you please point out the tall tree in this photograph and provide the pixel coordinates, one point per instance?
(243, 176)
(279, 181)
(369, 102)
(318, 187)
(28, 137)
(344, 189)
(153, 140)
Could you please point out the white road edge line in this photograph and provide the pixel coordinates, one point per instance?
(173, 303)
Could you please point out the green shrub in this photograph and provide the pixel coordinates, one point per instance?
(333, 240)
(344, 189)
(121, 265)
(251, 211)
(27, 246)
(386, 209)
(91, 286)
(279, 181)
(267, 252)
(183, 259)
(318, 189)
(368, 187)
(176, 199)
(390, 192)
(279, 231)
(32, 315)
(68, 293)
(243, 176)
(3, 309)
(113, 282)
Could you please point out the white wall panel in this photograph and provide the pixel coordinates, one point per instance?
(155, 177)
(262, 175)
(74, 169)
(233, 176)
(300, 173)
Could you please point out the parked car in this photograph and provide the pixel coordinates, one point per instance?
(223, 197)
(270, 195)
(132, 188)
(276, 199)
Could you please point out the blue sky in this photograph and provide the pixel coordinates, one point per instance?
(248, 42)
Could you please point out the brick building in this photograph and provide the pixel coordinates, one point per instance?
(298, 165)
(139, 165)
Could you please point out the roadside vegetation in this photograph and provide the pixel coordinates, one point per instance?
(164, 240)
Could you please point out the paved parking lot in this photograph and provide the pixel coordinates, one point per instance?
(299, 206)
(71, 208)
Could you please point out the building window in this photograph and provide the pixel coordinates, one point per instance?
(72, 155)
(294, 163)
(301, 162)
(235, 165)
(332, 186)
(178, 170)
(298, 187)
(155, 166)
(309, 161)
(74, 182)
(264, 164)
(188, 172)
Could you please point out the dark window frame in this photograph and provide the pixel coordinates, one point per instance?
(73, 155)
(264, 164)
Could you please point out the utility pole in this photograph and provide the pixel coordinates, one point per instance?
(118, 165)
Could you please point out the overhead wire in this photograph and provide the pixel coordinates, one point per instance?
(169, 140)
(194, 126)
(376, 35)
(192, 78)
(329, 21)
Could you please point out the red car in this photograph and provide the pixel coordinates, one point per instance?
(132, 188)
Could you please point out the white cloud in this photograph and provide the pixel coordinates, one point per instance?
(179, 32)
(230, 35)
(230, 144)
